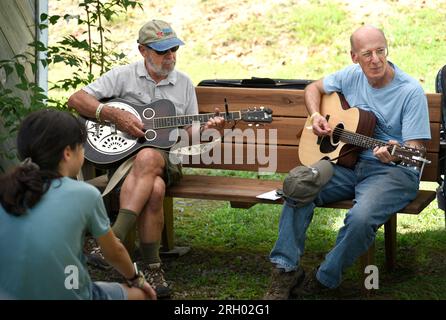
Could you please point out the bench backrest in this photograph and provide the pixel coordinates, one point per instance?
(289, 116)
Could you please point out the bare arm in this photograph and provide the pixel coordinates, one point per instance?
(313, 98)
(313, 94)
(86, 105)
(116, 254)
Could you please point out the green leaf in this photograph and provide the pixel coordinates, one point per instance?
(8, 69)
(22, 86)
(20, 70)
(58, 58)
(54, 19)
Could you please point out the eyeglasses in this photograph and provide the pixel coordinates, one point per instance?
(164, 52)
(380, 53)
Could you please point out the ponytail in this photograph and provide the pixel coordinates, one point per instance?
(24, 187)
(42, 137)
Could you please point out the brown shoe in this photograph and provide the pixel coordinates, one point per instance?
(282, 282)
(155, 277)
(94, 255)
(310, 286)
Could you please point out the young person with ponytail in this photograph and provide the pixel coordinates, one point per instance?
(45, 215)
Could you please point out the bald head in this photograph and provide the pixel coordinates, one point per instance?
(364, 35)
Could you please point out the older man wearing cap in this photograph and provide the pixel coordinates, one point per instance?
(142, 82)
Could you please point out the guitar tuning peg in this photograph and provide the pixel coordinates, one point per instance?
(249, 124)
(257, 125)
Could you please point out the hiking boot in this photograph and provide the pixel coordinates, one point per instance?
(95, 257)
(282, 282)
(155, 277)
(310, 286)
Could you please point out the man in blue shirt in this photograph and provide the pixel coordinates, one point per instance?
(377, 184)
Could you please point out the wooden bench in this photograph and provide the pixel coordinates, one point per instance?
(289, 115)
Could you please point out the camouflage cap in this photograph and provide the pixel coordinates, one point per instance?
(158, 35)
(302, 184)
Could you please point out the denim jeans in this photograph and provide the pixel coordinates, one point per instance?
(379, 190)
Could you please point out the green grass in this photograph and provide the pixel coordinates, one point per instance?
(230, 247)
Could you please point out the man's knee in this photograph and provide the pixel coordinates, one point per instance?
(149, 159)
(159, 189)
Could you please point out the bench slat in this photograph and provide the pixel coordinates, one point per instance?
(245, 190)
(285, 102)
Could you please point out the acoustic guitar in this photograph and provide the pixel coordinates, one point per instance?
(107, 145)
(352, 129)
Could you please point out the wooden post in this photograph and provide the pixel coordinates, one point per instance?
(167, 239)
(390, 242)
(366, 259)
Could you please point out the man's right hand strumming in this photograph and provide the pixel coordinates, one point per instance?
(124, 121)
(320, 125)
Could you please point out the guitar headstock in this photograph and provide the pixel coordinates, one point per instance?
(260, 114)
(410, 156)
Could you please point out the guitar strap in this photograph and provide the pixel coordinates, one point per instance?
(120, 173)
(344, 154)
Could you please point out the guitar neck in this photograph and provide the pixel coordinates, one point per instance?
(357, 139)
(180, 121)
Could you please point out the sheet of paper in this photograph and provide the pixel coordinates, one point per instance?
(270, 195)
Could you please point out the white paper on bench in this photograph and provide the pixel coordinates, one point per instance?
(270, 195)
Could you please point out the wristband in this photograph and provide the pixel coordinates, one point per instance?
(314, 114)
(98, 112)
(138, 280)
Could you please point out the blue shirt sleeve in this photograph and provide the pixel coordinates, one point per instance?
(99, 223)
(335, 82)
(415, 121)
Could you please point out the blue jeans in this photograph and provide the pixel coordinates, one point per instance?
(108, 291)
(378, 190)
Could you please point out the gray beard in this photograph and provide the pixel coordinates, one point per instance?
(159, 70)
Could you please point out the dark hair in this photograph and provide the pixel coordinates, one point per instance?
(41, 140)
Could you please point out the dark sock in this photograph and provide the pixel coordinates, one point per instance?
(150, 252)
(124, 223)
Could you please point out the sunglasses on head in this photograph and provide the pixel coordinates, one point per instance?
(162, 53)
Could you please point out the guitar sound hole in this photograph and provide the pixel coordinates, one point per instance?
(326, 146)
(337, 133)
(148, 113)
(150, 135)
(329, 144)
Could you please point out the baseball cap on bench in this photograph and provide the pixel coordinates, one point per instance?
(302, 184)
(158, 35)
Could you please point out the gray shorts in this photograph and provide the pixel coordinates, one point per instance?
(108, 291)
